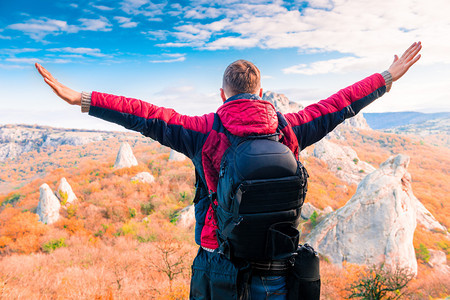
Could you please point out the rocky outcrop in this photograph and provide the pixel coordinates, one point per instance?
(12, 150)
(186, 218)
(48, 207)
(305, 153)
(125, 157)
(377, 224)
(65, 193)
(308, 209)
(281, 102)
(343, 161)
(427, 220)
(352, 124)
(144, 177)
(438, 261)
(18, 139)
(357, 121)
(176, 156)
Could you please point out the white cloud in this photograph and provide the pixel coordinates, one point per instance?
(170, 58)
(176, 45)
(101, 24)
(125, 22)
(10, 67)
(143, 7)
(37, 29)
(96, 52)
(59, 61)
(324, 4)
(156, 34)
(155, 19)
(129, 25)
(103, 7)
(202, 13)
(340, 65)
(174, 54)
(231, 42)
(367, 30)
(24, 60)
(122, 19)
(17, 51)
(69, 55)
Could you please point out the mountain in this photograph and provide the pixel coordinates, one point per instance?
(281, 102)
(18, 139)
(395, 119)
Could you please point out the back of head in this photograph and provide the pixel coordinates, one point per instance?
(241, 77)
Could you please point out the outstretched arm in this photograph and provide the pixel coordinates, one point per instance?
(317, 120)
(182, 133)
(67, 94)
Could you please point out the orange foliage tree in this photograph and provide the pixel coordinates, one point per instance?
(21, 233)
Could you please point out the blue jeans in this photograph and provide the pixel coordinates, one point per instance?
(268, 288)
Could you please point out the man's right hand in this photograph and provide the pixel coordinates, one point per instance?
(401, 65)
(67, 94)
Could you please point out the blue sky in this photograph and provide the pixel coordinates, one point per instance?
(173, 53)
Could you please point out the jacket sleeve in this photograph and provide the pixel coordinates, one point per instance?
(316, 120)
(182, 133)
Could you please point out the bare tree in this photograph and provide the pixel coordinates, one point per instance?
(381, 282)
(171, 258)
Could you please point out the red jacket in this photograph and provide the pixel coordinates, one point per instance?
(202, 138)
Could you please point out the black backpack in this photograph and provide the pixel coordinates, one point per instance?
(260, 192)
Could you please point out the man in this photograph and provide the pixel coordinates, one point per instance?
(203, 140)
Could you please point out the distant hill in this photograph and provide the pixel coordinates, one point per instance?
(18, 139)
(395, 119)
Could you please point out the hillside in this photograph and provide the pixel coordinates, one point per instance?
(112, 242)
(387, 120)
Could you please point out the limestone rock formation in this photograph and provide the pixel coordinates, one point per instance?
(125, 157)
(377, 224)
(308, 209)
(357, 121)
(281, 102)
(176, 156)
(144, 177)
(65, 193)
(343, 161)
(427, 220)
(353, 124)
(48, 207)
(438, 260)
(186, 218)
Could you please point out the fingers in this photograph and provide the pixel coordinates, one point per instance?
(409, 49)
(401, 65)
(410, 63)
(412, 51)
(53, 85)
(44, 72)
